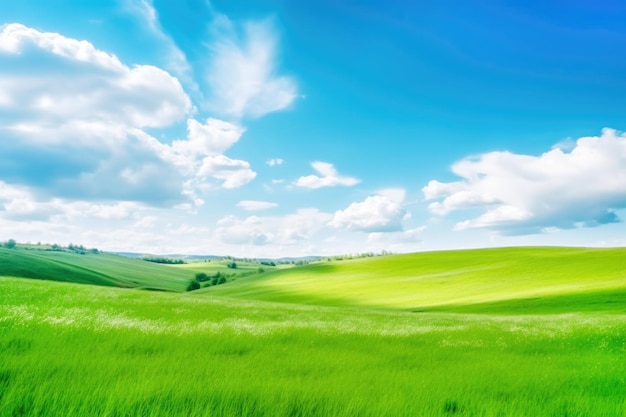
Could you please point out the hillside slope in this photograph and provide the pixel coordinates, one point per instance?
(98, 269)
(502, 280)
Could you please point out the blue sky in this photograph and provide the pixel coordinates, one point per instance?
(281, 128)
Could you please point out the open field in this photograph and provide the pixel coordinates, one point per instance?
(85, 350)
(504, 280)
(108, 270)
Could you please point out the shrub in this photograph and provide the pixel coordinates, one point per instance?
(10, 244)
(202, 277)
(193, 285)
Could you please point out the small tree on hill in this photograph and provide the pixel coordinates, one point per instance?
(193, 285)
(10, 244)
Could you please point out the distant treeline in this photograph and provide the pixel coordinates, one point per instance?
(163, 260)
(55, 247)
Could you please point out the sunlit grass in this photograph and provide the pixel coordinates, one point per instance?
(501, 280)
(79, 350)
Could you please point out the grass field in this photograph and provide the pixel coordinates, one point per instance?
(507, 281)
(350, 345)
(109, 270)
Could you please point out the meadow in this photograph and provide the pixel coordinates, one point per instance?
(276, 344)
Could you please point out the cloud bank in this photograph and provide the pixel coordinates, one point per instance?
(567, 187)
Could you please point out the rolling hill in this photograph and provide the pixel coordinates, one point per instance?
(110, 269)
(502, 280)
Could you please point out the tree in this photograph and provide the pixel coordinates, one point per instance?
(202, 277)
(232, 265)
(193, 285)
(10, 244)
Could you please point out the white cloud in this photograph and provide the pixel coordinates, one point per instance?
(175, 58)
(79, 81)
(233, 172)
(328, 177)
(275, 161)
(212, 138)
(242, 73)
(377, 213)
(80, 118)
(523, 194)
(286, 230)
(252, 205)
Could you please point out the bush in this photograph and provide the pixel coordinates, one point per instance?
(232, 265)
(202, 277)
(10, 244)
(193, 285)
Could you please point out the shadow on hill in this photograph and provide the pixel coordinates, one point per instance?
(604, 301)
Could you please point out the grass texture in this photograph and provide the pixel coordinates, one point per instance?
(503, 281)
(330, 339)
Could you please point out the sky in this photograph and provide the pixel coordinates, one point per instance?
(272, 128)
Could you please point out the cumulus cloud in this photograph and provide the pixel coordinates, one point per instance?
(74, 80)
(379, 213)
(74, 127)
(252, 205)
(580, 185)
(233, 172)
(19, 203)
(242, 72)
(285, 230)
(328, 177)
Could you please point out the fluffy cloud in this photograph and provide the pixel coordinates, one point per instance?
(328, 177)
(286, 230)
(74, 80)
(212, 138)
(242, 74)
(379, 213)
(73, 126)
(523, 194)
(19, 203)
(252, 205)
(233, 172)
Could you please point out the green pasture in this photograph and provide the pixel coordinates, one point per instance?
(109, 270)
(78, 350)
(487, 333)
(503, 280)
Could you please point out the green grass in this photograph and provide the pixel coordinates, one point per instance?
(509, 280)
(109, 270)
(76, 350)
(387, 336)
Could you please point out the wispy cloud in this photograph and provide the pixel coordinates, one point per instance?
(275, 161)
(328, 177)
(242, 75)
(253, 205)
(578, 186)
(176, 61)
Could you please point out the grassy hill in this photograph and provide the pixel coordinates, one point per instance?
(108, 269)
(502, 280)
(344, 340)
(83, 350)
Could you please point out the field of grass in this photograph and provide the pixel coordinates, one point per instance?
(507, 281)
(108, 270)
(351, 345)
